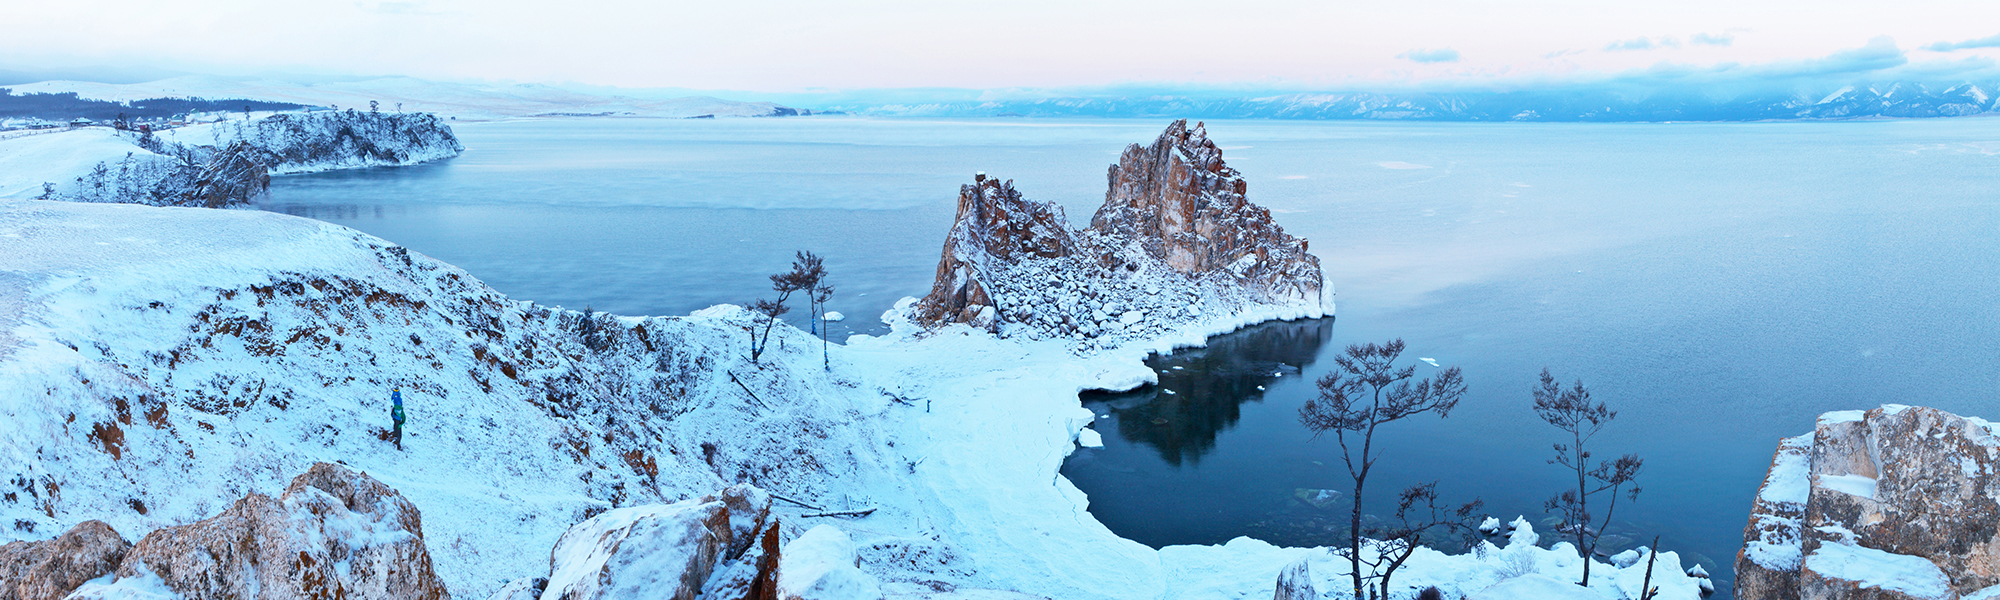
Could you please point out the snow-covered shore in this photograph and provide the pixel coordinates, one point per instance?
(163, 361)
(215, 164)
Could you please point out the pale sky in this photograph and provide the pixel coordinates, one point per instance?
(787, 45)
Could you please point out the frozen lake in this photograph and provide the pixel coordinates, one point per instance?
(1718, 284)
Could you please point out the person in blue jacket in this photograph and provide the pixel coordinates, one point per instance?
(396, 412)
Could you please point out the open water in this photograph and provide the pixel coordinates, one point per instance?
(1718, 284)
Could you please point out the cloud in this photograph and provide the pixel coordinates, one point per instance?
(1720, 39)
(1644, 43)
(1431, 56)
(1985, 42)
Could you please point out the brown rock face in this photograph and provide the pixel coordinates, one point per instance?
(334, 533)
(994, 223)
(1175, 242)
(1911, 487)
(1183, 205)
(51, 569)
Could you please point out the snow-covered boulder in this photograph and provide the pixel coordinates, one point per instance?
(1296, 583)
(334, 533)
(821, 565)
(1175, 244)
(653, 551)
(51, 569)
(1893, 502)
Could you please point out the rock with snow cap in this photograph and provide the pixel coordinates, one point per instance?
(1894, 502)
(51, 569)
(821, 565)
(651, 551)
(334, 533)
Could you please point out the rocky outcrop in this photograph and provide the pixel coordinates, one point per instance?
(232, 176)
(51, 569)
(1176, 242)
(995, 227)
(320, 141)
(334, 533)
(1182, 205)
(1895, 502)
(706, 548)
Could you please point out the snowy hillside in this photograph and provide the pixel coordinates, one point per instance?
(452, 100)
(164, 361)
(212, 165)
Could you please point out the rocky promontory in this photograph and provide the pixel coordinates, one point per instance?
(1176, 242)
(1896, 502)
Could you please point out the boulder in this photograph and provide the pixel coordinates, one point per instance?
(653, 551)
(51, 569)
(821, 565)
(334, 533)
(1895, 502)
(1295, 582)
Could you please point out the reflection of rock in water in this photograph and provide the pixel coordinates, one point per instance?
(1210, 385)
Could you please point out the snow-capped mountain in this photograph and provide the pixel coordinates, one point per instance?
(1886, 100)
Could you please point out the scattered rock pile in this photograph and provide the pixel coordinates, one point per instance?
(1896, 502)
(1175, 242)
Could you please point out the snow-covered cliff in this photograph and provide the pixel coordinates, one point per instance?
(213, 165)
(1176, 248)
(329, 140)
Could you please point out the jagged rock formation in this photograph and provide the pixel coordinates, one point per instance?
(1178, 202)
(1176, 242)
(995, 226)
(334, 533)
(50, 569)
(1892, 503)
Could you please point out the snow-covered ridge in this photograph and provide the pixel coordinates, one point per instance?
(329, 140)
(213, 165)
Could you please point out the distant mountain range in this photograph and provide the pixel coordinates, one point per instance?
(1902, 100)
(1575, 103)
(454, 100)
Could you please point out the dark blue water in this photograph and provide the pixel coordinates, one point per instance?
(1718, 284)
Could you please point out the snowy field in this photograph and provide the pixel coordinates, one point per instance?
(188, 356)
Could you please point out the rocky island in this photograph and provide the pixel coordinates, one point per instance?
(1176, 243)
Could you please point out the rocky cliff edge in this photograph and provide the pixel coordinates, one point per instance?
(1897, 502)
